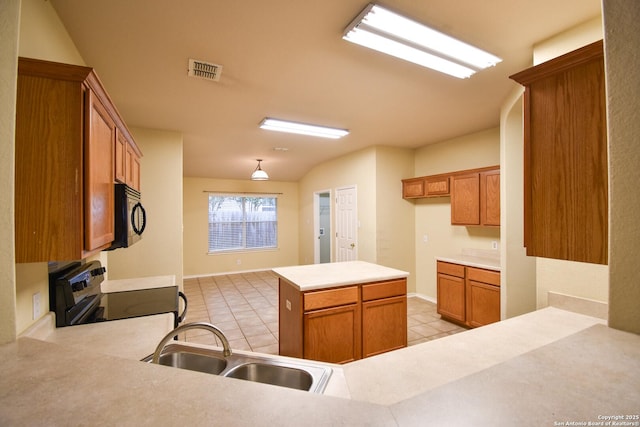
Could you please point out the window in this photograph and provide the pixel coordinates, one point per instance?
(242, 223)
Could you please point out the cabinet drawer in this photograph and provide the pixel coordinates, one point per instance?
(451, 269)
(330, 298)
(484, 276)
(384, 290)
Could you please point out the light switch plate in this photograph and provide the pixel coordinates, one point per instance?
(36, 305)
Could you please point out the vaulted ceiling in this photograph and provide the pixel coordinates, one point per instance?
(287, 59)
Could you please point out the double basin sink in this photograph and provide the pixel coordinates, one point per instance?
(275, 371)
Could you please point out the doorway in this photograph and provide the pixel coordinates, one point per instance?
(322, 226)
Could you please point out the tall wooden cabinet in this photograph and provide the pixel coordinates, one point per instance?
(66, 128)
(565, 161)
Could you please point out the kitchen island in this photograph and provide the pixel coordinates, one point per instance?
(341, 312)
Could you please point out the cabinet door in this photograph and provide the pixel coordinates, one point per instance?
(100, 137)
(120, 157)
(565, 164)
(437, 186)
(48, 169)
(333, 334)
(384, 325)
(412, 188)
(451, 297)
(483, 303)
(465, 199)
(132, 168)
(490, 197)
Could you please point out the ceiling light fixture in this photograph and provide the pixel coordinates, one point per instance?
(387, 32)
(302, 128)
(259, 174)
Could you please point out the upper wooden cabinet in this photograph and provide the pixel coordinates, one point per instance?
(66, 129)
(425, 186)
(490, 197)
(465, 199)
(565, 164)
(127, 160)
(475, 197)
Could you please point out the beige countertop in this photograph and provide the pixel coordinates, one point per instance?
(543, 367)
(137, 283)
(329, 275)
(133, 338)
(487, 259)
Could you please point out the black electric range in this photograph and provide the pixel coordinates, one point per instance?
(75, 297)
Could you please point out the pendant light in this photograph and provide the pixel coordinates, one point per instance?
(259, 174)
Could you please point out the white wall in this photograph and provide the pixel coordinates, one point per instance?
(433, 215)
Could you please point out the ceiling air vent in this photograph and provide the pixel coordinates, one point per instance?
(204, 70)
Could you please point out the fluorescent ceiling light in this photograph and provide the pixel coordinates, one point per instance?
(385, 31)
(302, 128)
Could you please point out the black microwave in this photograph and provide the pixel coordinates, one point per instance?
(130, 217)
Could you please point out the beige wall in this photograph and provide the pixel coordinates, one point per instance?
(9, 30)
(433, 215)
(395, 217)
(571, 278)
(357, 169)
(518, 271)
(385, 232)
(160, 250)
(42, 36)
(197, 262)
(622, 43)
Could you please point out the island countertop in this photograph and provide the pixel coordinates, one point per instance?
(330, 275)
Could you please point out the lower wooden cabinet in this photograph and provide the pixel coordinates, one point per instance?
(339, 325)
(384, 325)
(468, 295)
(333, 334)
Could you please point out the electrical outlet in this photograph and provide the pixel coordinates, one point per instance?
(238, 261)
(425, 238)
(494, 245)
(288, 304)
(36, 306)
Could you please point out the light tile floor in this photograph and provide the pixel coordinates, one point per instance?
(245, 307)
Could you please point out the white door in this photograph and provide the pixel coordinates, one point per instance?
(346, 224)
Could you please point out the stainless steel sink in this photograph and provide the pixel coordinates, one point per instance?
(282, 372)
(194, 362)
(269, 373)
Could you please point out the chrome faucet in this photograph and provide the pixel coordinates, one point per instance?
(195, 325)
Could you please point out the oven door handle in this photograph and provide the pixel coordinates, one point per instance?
(184, 312)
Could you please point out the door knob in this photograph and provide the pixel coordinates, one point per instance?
(353, 245)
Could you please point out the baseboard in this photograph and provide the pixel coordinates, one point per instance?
(424, 297)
